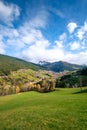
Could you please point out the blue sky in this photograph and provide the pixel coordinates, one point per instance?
(44, 30)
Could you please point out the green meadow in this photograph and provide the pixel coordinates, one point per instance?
(63, 109)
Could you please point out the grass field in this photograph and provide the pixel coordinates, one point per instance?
(63, 109)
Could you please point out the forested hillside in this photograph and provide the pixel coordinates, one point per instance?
(61, 66)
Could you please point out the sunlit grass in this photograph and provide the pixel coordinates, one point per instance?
(62, 109)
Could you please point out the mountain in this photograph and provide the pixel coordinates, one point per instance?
(8, 63)
(43, 63)
(60, 66)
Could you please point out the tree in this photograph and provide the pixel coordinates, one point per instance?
(17, 89)
(60, 84)
(80, 82)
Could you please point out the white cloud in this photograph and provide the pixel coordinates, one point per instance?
(38, 48)
(79, 58)
(30, 31)
(2, 46)
(61, 40)
(8, 12)
(2, 50)
(85, 26)
(30, 36)
(82, 32)
(75, 45)
(63, 37)
(59, 44)
(71, 27)
(36, 54)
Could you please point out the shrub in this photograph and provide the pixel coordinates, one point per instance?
(46, 86)
(17, 89)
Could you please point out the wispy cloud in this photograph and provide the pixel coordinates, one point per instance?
(8, 12)
(40, 19)
(57, 12)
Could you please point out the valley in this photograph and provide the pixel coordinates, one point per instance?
(18, 76)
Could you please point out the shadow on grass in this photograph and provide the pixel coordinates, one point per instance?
(81, 91)
(57, 89)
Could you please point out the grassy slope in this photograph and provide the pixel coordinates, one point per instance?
(8, 64)
(59, 110)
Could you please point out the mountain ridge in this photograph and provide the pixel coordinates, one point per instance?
(9, 63)
(60, 66)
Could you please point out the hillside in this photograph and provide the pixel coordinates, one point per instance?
(60, 66)
(73, 79)
(8, 63)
